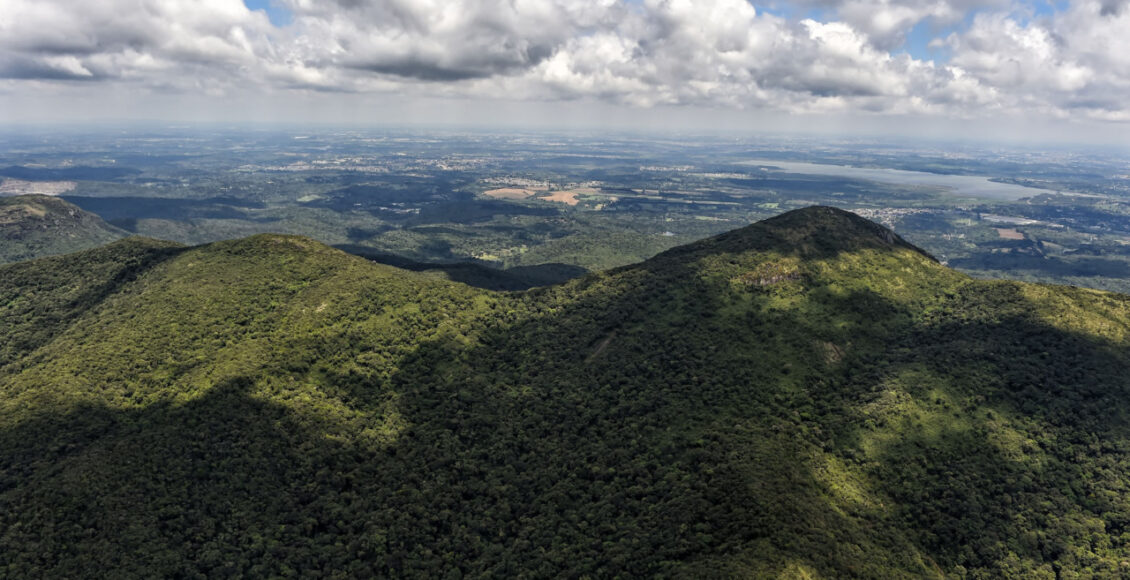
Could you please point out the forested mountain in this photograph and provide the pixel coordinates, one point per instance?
(806, 397)
(32, 226)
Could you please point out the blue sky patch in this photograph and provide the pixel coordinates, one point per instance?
(919, 38)
(279, 15)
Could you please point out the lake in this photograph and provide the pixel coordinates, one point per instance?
(959, 185)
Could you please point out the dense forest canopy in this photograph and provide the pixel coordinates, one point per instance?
(808, 396)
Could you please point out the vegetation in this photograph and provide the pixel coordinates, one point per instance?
(423, 195)
(477, 275)
(32, 226)
(809, 396)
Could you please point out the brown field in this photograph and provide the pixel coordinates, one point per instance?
(567, 197)
(509, 193)
(21, 187)
(1009, 234)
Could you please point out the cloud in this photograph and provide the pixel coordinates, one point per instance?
(723, 53)
(154, 40)
(1112, 7)
(638, 53)
(439, 40)
(887, 23)
(1076, 63)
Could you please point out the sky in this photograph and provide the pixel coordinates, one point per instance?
(1056, 71)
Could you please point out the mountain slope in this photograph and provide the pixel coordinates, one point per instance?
(32, 226)
(809, 396)
(42, 297)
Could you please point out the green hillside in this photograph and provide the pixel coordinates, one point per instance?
(32, 226)
(806, 397)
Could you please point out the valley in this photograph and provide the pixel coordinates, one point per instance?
(588, 201)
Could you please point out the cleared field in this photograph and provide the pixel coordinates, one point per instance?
(509, 193)
(566, 197)
(1009, 234)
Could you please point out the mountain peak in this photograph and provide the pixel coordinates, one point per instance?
(806, 396)
(810, 232)
(835, 224)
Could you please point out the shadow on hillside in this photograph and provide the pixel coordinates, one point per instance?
(120, 210)
(605, 458)
(97, 274)
(634, 425)
(516, 457)
(1039, 418)
(223, 485)
(475, 274)
(724, 454)
(1016, 263)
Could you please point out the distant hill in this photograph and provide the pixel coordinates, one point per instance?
(806, 397)
(32, 226)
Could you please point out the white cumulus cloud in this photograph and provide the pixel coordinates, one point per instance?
(1076, 63)
(639, 53)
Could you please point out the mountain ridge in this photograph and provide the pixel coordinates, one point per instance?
(33, 226)
(807, 397)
